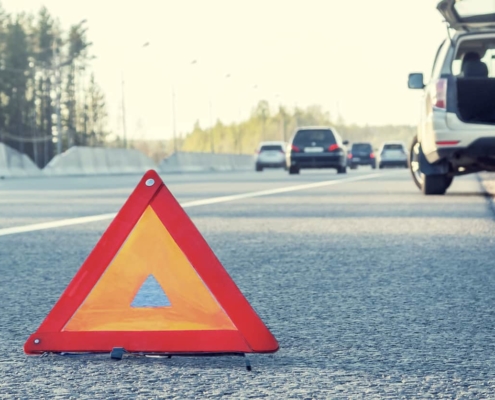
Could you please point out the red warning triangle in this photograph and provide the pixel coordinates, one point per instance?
(152, 284)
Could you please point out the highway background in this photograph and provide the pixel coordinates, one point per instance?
(371, 288)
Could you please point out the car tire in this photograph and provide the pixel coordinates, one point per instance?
(373, 166)
(380, 166)
(259, 168)
(353, 166)
(414, 163)
(342, 170)
(436, 184)
(293, 170)
(428, 184)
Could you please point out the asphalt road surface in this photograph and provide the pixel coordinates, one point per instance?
(371, 289)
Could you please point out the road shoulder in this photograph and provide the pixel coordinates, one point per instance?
(487, 181)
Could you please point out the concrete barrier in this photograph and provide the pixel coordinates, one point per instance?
(80, 160)
(181, 162)
(83, 161)
(16, 164)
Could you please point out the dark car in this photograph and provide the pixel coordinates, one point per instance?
(317, 147)
(361, 154)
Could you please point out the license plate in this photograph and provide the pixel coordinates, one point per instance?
(313, 150)
(356, 159)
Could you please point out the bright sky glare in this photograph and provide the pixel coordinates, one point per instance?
(352, 56)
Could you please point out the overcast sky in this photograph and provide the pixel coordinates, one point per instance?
(349, 55)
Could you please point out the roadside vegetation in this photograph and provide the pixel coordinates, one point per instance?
(46, 84)
(267, 124)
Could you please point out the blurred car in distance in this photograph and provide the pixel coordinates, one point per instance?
(270, 155)
(393, 154)
(361, 154)
(456, 128)
(317, 147)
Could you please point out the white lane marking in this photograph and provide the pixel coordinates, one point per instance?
(195, 203)
(268, 192)
(55, 224)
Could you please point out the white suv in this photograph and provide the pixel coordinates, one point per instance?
(456, 133)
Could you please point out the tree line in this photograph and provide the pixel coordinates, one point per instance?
(47, 87)
(266, 124)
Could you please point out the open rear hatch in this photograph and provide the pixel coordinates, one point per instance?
(468, 15)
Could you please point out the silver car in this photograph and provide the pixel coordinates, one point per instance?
(393, 154)
(270, 155)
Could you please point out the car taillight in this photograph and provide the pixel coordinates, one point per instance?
(448, 142)
(439, 96)
(372, 155)
(295, 149)
(333, 147)
(349, 156)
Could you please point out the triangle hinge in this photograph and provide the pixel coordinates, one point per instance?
(117, 353)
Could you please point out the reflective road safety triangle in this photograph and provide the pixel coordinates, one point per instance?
(152, 284)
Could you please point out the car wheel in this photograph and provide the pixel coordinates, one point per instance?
(380, 166)
(259, 168)
(428, 184)
(373, 166)
(293, 170)
(353, 166)
(436, 184)
(414, 163)
(342, 170)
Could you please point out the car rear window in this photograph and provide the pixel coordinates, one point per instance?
(272, 147)
(320, 137)
(393, 147)
(361, 147)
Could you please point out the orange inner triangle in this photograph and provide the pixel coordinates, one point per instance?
(149, 249)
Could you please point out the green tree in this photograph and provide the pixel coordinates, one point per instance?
(44, 40)
(95, 114)
(16, 78)
(31, 53)
(77, 57)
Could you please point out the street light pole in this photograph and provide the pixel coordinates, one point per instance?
(124, 126)
(124, 122)
(56, 64)
(174, 123)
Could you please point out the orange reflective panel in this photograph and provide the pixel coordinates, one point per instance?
(149, 256)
